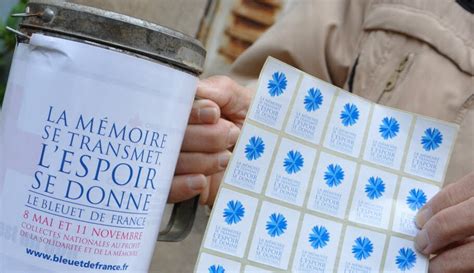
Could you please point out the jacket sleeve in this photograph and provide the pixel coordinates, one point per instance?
(317, 36)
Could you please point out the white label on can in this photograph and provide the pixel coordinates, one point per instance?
(89, 142)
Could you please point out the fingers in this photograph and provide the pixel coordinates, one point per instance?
(204, 112)
(455, 260)
(185, 187)
(210, 138)
(447, 218)
(202, 163)
(451, 195)
(233, 99)
(447, 226)
(214, 186)
(210, 193)
(205, 192)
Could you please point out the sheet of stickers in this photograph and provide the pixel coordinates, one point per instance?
(322, 180)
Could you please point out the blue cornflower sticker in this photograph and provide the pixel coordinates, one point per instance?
(234, 212)
(216, 269)
(276, 225)
(416, 199)
(334, 175)
(389, 128)
(432, 139)
(406, 259)
(293, 162)
(255, 148)
(319, 237)
(277, 84)
(349, 115)
(375, 188)
(362, 248)
(313, 100)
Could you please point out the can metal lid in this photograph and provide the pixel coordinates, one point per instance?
(115, 30)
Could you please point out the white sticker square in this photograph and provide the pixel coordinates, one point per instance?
(210, 263)
(230, 225)
(291, 171)
(332, 185)
(249, 165)
(387, 137)
(277, 85)
(347, 125)
(429, 149)
(253, 269)
(362, 251)
(373, 197)
(311, 108)
(412, 196)
(403, 257)
(318, 240)
(274, 235)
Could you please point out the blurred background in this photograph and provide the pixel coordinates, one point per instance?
(7, 39)
(225, 27)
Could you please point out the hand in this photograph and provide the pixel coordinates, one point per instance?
(234, 102)
(232, 98)
(213, 130)
(447, 228)
(204, 151)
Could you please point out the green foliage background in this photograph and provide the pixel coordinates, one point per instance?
(7, 45)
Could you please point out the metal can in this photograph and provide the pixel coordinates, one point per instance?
(94, 116)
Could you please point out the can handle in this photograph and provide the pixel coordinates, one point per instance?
(181, 221)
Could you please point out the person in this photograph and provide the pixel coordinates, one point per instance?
(417, 56)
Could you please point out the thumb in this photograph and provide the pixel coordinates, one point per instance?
(232, 98)
(185, 187)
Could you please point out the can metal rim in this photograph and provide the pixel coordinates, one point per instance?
(114, 30)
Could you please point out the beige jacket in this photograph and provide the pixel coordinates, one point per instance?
(415, 55)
